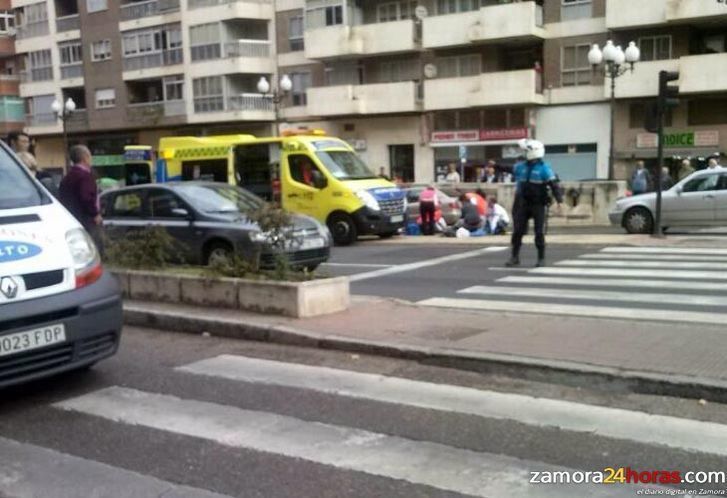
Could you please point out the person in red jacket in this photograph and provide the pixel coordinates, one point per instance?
(79, 194)
(428, 205)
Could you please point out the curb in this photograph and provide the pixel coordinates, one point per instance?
(520, 367)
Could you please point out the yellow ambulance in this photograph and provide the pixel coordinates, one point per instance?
(306, 172)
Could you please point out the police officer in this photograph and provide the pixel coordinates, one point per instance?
(533, 177)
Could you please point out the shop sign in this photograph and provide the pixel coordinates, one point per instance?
(455, 136)
(707, 138)
(504, 134)
(107, 160)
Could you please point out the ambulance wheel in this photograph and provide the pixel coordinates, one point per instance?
(342, 228)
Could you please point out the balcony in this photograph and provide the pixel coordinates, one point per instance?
(36, 74)
(68, 23)
(32, 30)
(238, 56)
(154, 112)
(237, 106)
(157, 59)
(626, 14)
(643, 81)
(247, 48)
(691, 11)
(521, 21)
(72, 71)
(41, 119)
(703, 73)
(377, 98)
(216, 10)
(148, 8)
(366, 39)
(488, 89)
(249, 102)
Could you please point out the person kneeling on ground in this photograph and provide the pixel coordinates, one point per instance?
(497, 217)
(471, 219)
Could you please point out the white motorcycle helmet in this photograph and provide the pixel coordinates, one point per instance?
(534, 149)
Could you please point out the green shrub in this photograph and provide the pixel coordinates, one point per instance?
(146, 249)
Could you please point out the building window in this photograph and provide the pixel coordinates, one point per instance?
(344, 73)
(295, 34)
(637, 115)
(396, 11)
(208, 94)
(320, 13)
(7, 21)
(96, 5)
(575, 9)
(458, 66)
(655, 48)
(71, 53)
(105, 98)
(398, 70)
(101, 50)
(205, 41)
(40, 65)
(40, 111)
(454, 6)
(174, 87)
(574, 67)
(706, 111)
(334, 15)
(301, 83)
(35, 13)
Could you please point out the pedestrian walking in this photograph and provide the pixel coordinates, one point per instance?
(666, 181)
(685, 169)
(533, 178)
(428, 206)
(640, 179)
(79, 194)
(714, 162)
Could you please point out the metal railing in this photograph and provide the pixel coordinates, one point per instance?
(78, 120)
(209, 104)
(39, 28)
(206, 52)
(37, 74)
(138, 10)
(249, 102)
(68, 23)
(153, 111)
(157, 59)
(41, 119)
(247, 48)
(196, 4)
(72, 71)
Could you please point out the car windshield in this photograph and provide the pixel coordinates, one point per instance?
(17, 190)
(220, 199)
(345, 165)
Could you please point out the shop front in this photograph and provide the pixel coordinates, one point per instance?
(470, 150)
(695, 145)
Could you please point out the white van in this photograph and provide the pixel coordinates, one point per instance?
(59, 310)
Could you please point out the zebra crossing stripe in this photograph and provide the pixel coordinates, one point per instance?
(666, 250)
(591, 295)
(641, 273)
(616, 282)
(418, 462)
(33, 471)
(613, 312)
(686, 434)
(652, 257)
(643, 264)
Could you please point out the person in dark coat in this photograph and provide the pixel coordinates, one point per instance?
(79, 194)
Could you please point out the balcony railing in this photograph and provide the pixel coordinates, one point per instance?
(78, 120)
(209, 104)
(157, 59)
(152, 111)
(236, 48)
(72, 71)
(37, 74)
(139, 10)
(68, 23)
(31, 30)
(196, 4)
(41, 119)
(249, 102)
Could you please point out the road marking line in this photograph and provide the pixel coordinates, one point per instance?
(423, 463)
(423, 264)
(642, 264)
(515, 269)
(693, 435)
(358, 265)
(645, 273)
(591, 295)
(616, 282)
(652, 257)
(31, 470)
(640, 314)
(666, 250)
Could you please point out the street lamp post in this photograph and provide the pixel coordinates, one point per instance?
(63, 111)
(276, 97)
(614, 58)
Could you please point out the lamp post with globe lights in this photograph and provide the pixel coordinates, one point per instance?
(63, 111)
(614, 59)
(285, 85)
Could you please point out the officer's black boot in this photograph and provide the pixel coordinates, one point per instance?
(541, 258)
(513, 261)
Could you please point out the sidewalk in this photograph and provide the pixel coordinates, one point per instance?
(660, 358)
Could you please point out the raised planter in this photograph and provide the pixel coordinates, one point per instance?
(295, 299)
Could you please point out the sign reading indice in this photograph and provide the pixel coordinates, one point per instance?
(680, 139)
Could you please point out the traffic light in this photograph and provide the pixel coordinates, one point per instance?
(668, 94)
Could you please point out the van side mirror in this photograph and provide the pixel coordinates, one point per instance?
(319, 181)
(679, 190)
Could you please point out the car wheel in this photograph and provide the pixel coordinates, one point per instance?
(342, 228)
(218, 253)
(638, 220)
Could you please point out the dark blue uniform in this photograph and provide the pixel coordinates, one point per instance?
(533, 178)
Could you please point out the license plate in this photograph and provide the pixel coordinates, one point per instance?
(312, 243)
(32, 339)
(397, 219)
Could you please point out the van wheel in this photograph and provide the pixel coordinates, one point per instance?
(218, 253)
(342, 228)
(638, 220)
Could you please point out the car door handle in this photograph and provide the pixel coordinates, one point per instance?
(709, 196)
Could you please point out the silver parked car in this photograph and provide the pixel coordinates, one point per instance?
(450, 206)
(700, 199)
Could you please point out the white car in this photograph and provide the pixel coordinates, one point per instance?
(700, 199)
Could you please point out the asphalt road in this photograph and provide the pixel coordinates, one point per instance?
(137, 425)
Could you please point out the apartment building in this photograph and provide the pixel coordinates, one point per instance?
(412, 84)
(12, 116)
